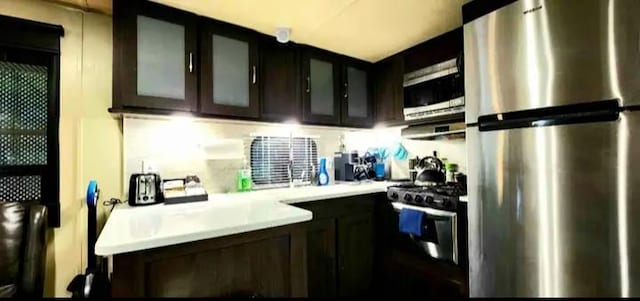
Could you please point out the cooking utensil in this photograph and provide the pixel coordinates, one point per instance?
(430, 170)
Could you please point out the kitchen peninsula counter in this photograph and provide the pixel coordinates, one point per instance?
(131, 229)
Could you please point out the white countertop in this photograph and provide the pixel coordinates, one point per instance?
(131, 229)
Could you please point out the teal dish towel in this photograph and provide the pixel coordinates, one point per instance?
(411, 221)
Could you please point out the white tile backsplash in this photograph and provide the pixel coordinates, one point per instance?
(180, 146)
(455, 150)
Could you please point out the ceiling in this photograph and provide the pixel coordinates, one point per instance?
(100, 6)
(365, 29)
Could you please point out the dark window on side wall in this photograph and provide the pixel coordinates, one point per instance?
(29, 113)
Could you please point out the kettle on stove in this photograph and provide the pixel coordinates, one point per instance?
(430, 171)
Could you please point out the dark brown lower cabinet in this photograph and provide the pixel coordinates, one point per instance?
(321, 258)
(333, 255)
(265, 263)
(355, 254)
(341, 246)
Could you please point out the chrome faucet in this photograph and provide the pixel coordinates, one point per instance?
(290, 172)
(302, 177)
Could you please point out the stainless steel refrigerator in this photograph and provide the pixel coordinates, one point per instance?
(553, 141)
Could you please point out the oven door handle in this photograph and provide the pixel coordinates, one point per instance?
(397, 206)
(436, 214)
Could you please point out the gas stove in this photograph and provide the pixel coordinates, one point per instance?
(441, 196)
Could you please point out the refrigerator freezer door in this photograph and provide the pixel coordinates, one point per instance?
(553, 210)
(536, 53)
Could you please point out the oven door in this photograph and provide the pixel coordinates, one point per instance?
(441, 238)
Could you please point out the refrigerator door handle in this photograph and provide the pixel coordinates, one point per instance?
(601, 111)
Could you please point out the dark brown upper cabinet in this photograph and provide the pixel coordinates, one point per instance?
(279, 81)
(388, 91)
(229, 81)
(169, 60)
(441, 48)
(356, 96)
(321, 87)
(155, 53)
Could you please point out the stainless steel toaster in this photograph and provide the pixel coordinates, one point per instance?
(145, 189)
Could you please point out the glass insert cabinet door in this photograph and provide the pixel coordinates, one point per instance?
(321, 86)
(357, 93)
(230, 71)
(320, 79)
(161, 63)
(229, 78)
(155, 53)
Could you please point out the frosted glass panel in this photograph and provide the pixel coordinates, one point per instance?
(230, 72)
(357, 89)
(321, 87)
(161, 58)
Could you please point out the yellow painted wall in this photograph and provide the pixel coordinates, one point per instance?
(90, 139)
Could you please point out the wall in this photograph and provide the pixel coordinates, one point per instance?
(455, 151)
(90, 139)
(174, 146)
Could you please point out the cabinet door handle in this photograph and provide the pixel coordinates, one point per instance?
(308, 84)
(332, 267)
(190, 62)
(253, 76)
(346, 91)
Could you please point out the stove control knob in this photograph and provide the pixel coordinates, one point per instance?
(429, 199)
(394, 195)
(408, 197)
(418, 199)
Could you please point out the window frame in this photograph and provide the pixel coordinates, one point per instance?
(255, 140)
(30, 42)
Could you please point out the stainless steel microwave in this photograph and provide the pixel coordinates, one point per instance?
(435, 90)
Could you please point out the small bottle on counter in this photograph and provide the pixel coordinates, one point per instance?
(323, 175)
(244, 178)
(451, 169)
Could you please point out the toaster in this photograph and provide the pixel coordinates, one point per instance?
(145, 189)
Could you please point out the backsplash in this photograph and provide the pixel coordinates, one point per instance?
(180, 146)
(455, 151)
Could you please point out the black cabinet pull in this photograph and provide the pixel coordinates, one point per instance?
(253, 75)
(346, 91)
(308, 84)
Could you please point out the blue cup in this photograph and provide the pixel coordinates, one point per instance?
(379, 171)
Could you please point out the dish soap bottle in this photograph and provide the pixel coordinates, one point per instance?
(244, 178)
(323, 175)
